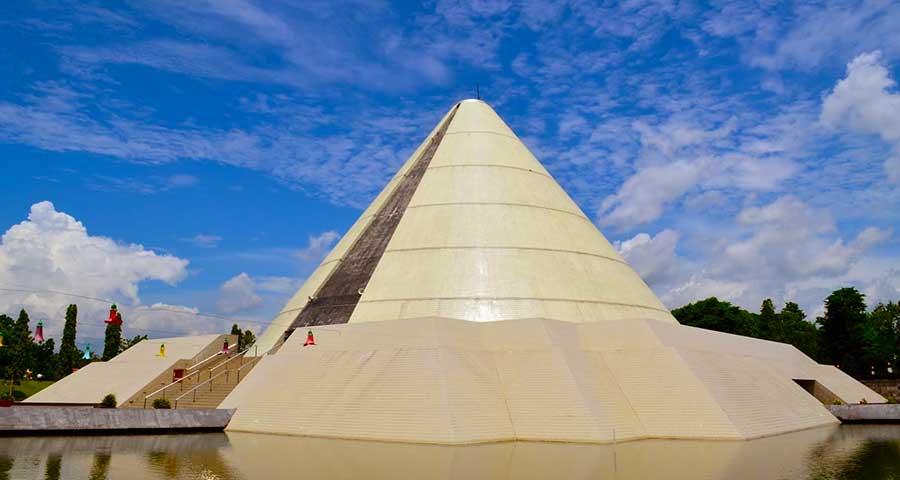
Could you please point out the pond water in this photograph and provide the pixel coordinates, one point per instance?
(841, 452)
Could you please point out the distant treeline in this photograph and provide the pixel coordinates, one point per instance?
(863, 343)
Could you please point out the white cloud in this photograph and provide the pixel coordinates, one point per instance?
(806, 35)
(642, 197)
(673, 136)
(678, 158)
(654, 258)
(319, 246)
(865, 102)
(786, 250)
(52, 251)
(204, 241)
(790, 241)
(144, 185)
(347, 166)
(244, 292)
(237, 294)
(274, 284)
(161, 320)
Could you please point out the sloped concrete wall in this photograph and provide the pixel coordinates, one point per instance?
(434, 380)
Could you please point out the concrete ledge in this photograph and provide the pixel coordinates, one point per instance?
(867, 413)
(107, 421)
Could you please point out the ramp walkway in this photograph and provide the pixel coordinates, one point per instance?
(137, 372)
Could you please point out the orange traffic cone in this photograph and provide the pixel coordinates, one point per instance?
(310, 340)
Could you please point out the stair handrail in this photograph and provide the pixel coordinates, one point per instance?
(237, 355)
(169, 385)
(215, 355)
(252, 362)
(226, 372)
(209, 381)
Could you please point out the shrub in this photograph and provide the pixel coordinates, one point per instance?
(161, 403)
(109, 401)
(890, 398)
(837, 402)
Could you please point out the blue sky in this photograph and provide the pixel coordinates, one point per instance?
(199, 158)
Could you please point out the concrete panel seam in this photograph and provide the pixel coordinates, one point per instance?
(484, 247)
(491, 165)
(485, 132)
(571, 300)
(578, 214)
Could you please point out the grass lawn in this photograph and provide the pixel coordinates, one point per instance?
(25, 390)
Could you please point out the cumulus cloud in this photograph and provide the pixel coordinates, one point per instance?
(51, 251)
(654, 257)
(785, 249)
(319, 246)
(677, 158)
(165, 320)
(642, 197)
(867, 101)
(238, 293)
(242, 292)
(790, 241)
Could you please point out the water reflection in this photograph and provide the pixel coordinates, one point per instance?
(6, 465)
(101, 466)
(845, 452)
(53, 467)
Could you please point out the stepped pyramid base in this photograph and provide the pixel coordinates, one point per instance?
(446, 381)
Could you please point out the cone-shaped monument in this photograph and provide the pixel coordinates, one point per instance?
(474, 301)
(471, 227)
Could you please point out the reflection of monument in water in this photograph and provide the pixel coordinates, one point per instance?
(831, 452)
(473, 301)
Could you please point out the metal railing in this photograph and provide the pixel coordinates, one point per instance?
(194, 390)
(211, 357)
(250, 363)
(189, 375)
(238, 355)
(227, 374)
(163, 389)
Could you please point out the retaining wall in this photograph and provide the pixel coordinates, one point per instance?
(86, 421)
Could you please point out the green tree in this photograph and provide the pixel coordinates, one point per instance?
(882, 336)
(20, 349)
(769, 322)
(134, 341)
(112, 343)
(248, 338)
(797, 331)
(713, 314)
(45, 360)
(68, 352)
(236, 330)
(843, 330)
(7, 325)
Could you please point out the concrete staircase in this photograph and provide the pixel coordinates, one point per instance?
(218, 383)
(194, 376)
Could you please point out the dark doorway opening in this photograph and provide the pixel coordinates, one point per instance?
(818, 390)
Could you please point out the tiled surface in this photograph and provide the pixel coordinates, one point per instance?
(436, 380)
